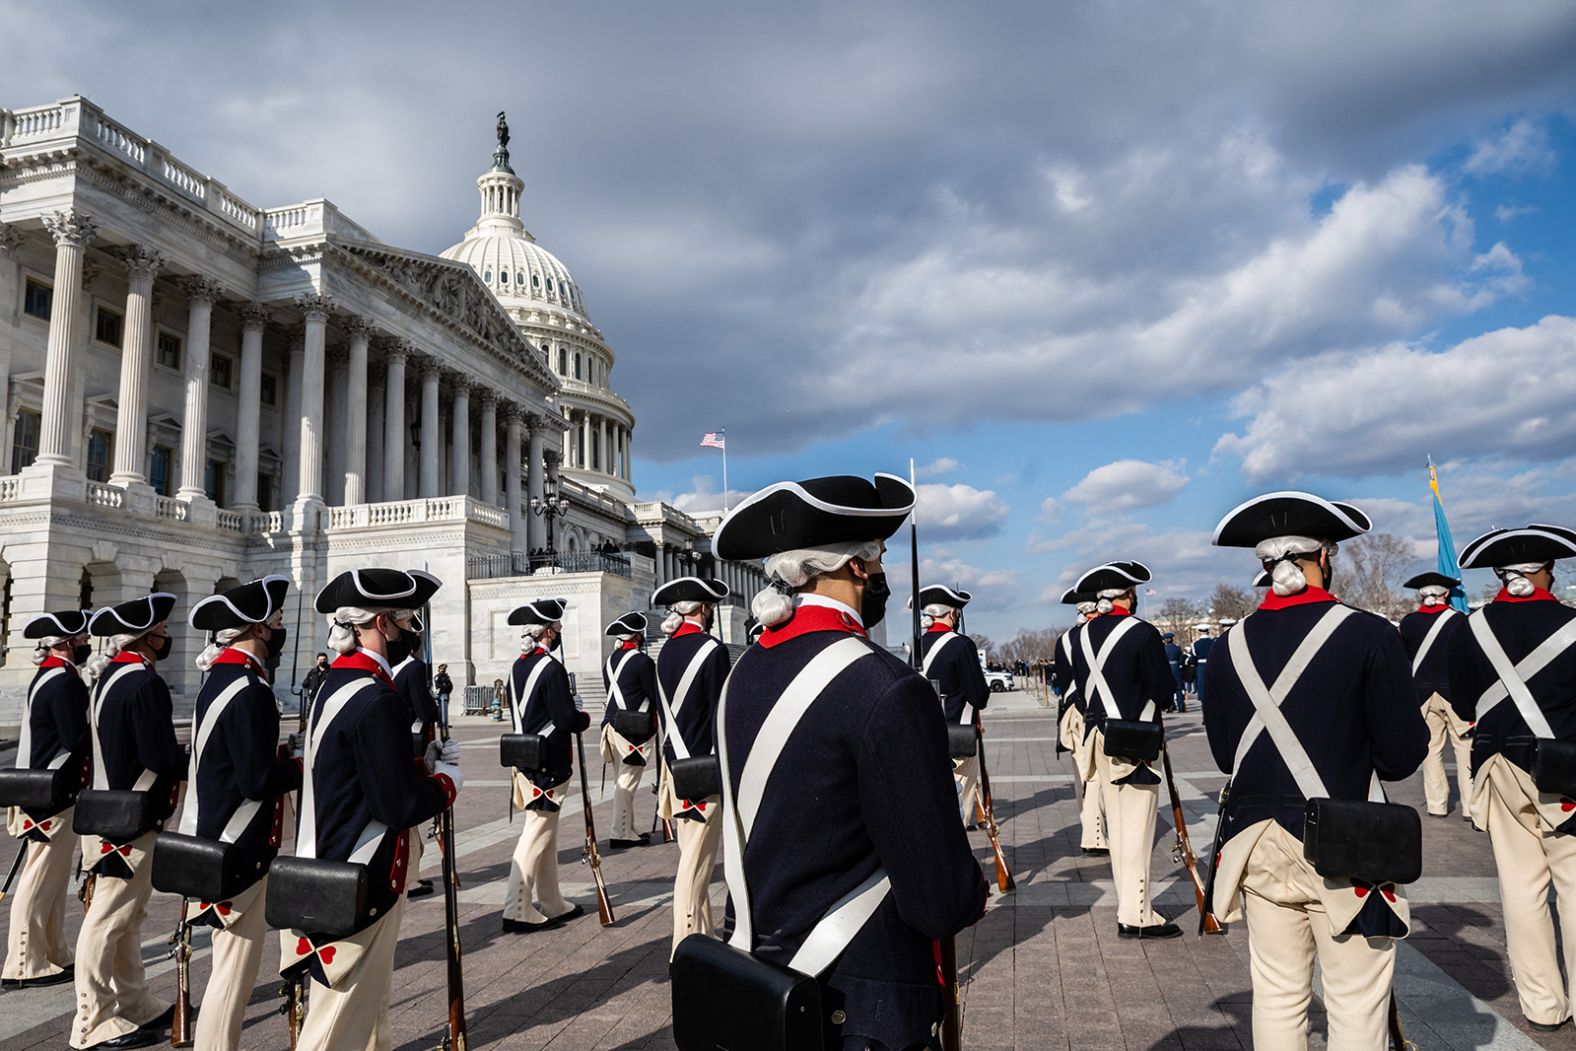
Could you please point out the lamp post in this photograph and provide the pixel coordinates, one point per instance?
(550, 505)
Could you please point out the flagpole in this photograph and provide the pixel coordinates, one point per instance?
(724, 473)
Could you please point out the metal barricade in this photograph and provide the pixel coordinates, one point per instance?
(478, 700)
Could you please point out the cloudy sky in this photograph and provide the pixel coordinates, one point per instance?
(1103, 271)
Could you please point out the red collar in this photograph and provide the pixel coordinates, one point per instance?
(128, 657)
(630, 645)
(231, 655)
(1538, 595)
(53, 661)
(1306, 597)
(534, 652)
(807, 619)
(937, 629)
(1118, 611)
(363, 662)
(687, 628)
(1433, 610)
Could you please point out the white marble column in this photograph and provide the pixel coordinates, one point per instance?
(604, 461)
(585, 441)
(315, 308)
(376, 398)
(355, 409)
(534, 465)
(519, 516)
(460, 438)
(335, 430)
(431, 444)
(201, 293)
(249, 407)
(398, 352)
(72, 232)
(131, 411)
(489, 464)
(290, 425)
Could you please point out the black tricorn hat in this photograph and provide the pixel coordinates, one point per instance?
(941, 595)
(1072, 596)
(65, 624)
(251, 603)
(816, 512)
(377, 589)
(1432, 580)
(753, 629)
(1112, 575)
(1514, 547)
(631, 623)
(137, 617)
(1261, 579)
(539, 611)
(1289, 513)
(688, 589)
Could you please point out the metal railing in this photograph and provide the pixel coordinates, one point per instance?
(520, 564)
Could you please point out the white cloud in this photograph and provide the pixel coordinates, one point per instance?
(1126, 484)
(705, 496)
(1506, 212)
(1522, 147)
(1050, 510)
(1506, 392)
(939, 466)
(959, 512)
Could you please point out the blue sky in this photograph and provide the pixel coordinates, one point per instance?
(1104, 269)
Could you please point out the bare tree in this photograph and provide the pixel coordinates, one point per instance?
(1176, 614)
(982, 643)
(1232, 601)
(1369, 571)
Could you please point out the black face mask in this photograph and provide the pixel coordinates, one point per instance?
(403, 646)
(275, 645)
(162, 647)
(872, 607)
(80, 654)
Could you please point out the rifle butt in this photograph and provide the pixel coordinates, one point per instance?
(951, 1022)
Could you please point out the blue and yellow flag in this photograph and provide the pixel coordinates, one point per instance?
(1449, 565)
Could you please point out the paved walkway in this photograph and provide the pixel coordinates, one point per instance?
(1044, 968)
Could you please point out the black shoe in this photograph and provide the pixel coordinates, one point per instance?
(1096, 852)
(147, 1036)
(1548, 1027)
(60, 978)
(573, 914)
(422, 888)
(162, 1022)
(525, 927)
(625, 844)
(1155, 930)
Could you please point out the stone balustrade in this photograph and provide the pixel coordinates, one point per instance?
(409, 512)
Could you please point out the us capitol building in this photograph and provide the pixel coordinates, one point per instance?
(199, 391)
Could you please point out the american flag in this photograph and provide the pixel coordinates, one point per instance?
(714, 440)
(1150, 592)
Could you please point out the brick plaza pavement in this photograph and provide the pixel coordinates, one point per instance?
(1044, 968)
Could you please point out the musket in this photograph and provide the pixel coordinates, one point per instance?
(295, 668)
(455, 1038)
(16, 866)
(1182, 850)
(952, 995)
(181, 1021)
(589, 855)
(294, 989)
(1205, 916)
(1003, 875)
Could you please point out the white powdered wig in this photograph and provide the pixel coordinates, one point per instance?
(791, 571)
(1105, 597)
(343, 622)
(1286, 577)
(928, 614)
(45, 644)
(1434, 595)
(534, 632)
(222, 639)
(625, 638)
(99, 662)
(677, 612)
(1515, 577)
(1086, 608)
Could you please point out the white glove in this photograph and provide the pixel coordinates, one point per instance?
(432, 755)
(449, 752)
(452, 772)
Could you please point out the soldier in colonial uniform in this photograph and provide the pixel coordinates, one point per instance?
(236, 787)
(753, 630)
(1071, 725)
(361, 796)
(1513, 672)
(691, 670)
(1426, 631)
(412, 681)
(1120, 666)
(1309, 699)
(134, 748)
(542, 703)
(1174, 658)
(1202, 644)
(54, 736)
(952, 659)
(629, 723)
(843, 851)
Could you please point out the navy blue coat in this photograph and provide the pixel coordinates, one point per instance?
(1434, 674)
(1136, 672)
(240, 760)
(637, 683)
(136, 729)
(57, 720)
(958, 669)
(364, 772)
(1520, 626)
(697, 715)
(550, 703)
(863, 783)
(411, 683)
